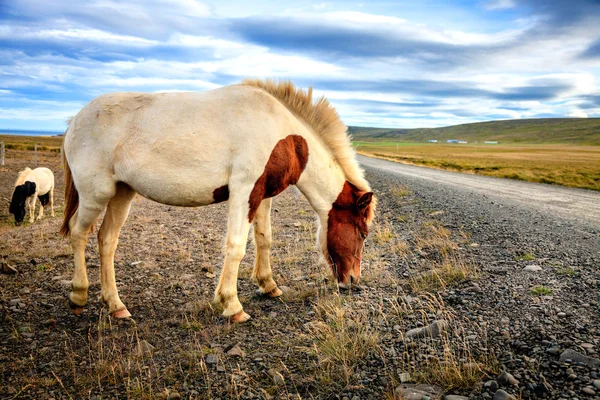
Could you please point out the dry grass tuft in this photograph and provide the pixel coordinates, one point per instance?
(446, 358)
(400, 191)
(340, 340)
(450, 272)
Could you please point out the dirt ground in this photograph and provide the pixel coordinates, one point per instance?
(420, 318)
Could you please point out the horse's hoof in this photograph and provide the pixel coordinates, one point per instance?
(274, 293)
(75, 309)
(121, 314)
(239, 317)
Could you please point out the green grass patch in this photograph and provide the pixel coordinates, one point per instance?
(541, 290)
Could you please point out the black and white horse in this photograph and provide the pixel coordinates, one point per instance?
(31, 185)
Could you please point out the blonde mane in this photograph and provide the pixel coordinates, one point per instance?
(324, 121)
(22, 175)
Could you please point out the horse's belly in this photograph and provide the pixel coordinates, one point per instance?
(177, 190)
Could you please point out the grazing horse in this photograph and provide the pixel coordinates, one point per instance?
(32, 185)
(242, 143)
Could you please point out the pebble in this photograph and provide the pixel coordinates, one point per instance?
(236, 351)
(277, 377)
(8, 269)
(174, 396)
(211, 358)
(418, 392)
(491, 385)
(502, 395)
(455, 397)
(577, 357)
(507, 379)
(589, 390)
(432, 330)
(561, 315)
(596, 383)
(532, 268)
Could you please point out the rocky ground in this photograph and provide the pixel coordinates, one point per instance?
(461, 296)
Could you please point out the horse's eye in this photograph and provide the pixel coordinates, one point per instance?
(363, 235)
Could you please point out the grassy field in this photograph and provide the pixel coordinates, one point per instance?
(17, 142)
(568, 165)
(579, 131)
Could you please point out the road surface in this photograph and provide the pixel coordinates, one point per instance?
(577, 205)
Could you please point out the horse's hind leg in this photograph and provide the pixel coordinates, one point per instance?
(41, 213)
(108, 237)
(263, 239)
(80, 226)
(32, 201)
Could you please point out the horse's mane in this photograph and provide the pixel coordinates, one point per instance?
(22, 175)
(324, 121)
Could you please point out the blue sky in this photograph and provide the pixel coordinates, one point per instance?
(396, 63)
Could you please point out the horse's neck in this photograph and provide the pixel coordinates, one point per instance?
(322, 181)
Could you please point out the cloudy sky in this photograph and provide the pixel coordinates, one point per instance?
(394, 63)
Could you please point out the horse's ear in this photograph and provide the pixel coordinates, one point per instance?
(29, 188)
(364, 201)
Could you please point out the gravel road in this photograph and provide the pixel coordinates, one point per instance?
(516, 227)
(574, 204)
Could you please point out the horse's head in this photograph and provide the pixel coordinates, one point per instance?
(347, 228)
(17, 204)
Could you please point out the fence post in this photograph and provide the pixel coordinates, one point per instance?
(35, 154)
(2, 154)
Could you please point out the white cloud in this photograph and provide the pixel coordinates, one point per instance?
(499, 4)
(12, 32)
(577, 114)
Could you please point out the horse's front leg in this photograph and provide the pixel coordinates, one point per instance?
(263, 239)
(41, 213)
(237, 236)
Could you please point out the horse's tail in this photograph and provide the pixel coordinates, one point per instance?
(71, 196)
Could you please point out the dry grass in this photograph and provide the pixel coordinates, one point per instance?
(568, 165)
(340, 339)
(447, 359)
(450, 272)
(400, 191)
(45, 143)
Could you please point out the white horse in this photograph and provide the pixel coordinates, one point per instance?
(32, 185)
(242, 143)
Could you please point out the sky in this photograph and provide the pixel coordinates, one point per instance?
(397, 64)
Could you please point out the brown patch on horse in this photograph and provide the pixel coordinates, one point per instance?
(221, 194)
(347, 228)
(286, 163)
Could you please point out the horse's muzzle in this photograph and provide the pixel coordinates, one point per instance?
(352, 284)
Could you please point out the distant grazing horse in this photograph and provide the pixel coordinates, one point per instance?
(242, 143)
(32, 185)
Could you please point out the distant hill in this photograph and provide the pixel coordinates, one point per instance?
(547, 130)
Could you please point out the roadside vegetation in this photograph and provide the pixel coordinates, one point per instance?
(568, 165)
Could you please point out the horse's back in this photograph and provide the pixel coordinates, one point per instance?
(44, 179)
